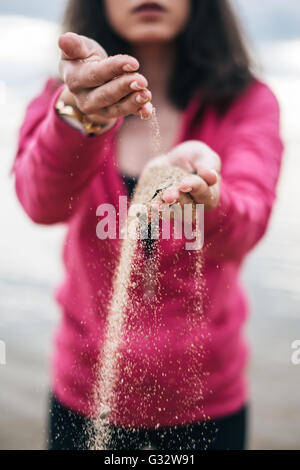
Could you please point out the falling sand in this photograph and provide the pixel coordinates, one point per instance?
(123, 301)
(155, 137)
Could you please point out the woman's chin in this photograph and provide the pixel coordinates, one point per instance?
(153, 35)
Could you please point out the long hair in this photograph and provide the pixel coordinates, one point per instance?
(211, 57)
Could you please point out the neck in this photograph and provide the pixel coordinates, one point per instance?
(156, 64)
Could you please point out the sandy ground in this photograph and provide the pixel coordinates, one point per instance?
(30, 268)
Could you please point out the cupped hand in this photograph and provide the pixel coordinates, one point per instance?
(202, 186)
(104, 88)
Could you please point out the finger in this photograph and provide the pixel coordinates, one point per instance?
(146, 112)
(110, 93)
(161, 207)
(129, 105)
(184, 199)
(212, 198)
(78, 47)
(209, 175)
(204, 157)
(200, 191)
(78, 75)
(171, 195)
(195, 185)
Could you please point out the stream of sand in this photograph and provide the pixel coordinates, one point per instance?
(121, 302)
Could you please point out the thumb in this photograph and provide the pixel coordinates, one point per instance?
(75, 47)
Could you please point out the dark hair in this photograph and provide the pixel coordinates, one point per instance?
(211, 54)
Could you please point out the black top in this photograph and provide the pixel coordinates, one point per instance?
(130, 182)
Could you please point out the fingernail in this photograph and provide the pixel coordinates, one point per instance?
(129, 68)
(216, 173)
(147, 111)
(135, 86)
(141, 99)
(186, 190)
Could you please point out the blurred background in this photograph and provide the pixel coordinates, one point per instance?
(30, 255)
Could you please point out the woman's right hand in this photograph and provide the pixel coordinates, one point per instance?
(103, 88)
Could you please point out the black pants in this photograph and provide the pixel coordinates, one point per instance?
(70, 431)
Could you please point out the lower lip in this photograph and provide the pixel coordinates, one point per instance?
(149, 12)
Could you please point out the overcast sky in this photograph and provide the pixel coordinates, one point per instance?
(265, 19)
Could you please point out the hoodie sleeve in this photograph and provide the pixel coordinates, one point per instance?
(251, 156)
(54, 162)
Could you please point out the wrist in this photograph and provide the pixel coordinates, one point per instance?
(67, 97)
(68, 111)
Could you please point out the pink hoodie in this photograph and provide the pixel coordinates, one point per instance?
(63, 176)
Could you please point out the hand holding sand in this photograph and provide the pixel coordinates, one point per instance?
(203, 184)
(104, 88)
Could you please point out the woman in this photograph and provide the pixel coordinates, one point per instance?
(188, 59)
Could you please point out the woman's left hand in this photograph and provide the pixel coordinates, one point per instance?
(204, 182)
